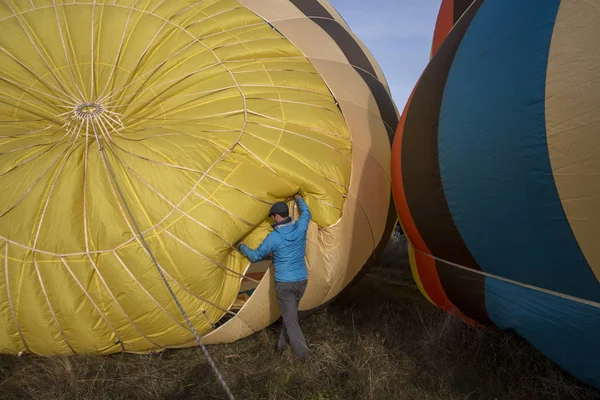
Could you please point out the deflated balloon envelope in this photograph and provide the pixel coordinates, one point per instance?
(207, 114)
(495, 169)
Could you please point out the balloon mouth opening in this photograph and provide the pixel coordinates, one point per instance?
(88, 110)
(252, 277)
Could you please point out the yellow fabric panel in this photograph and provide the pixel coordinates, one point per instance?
(335, 254)
(572, 120)
(207, 116)
(415, 273)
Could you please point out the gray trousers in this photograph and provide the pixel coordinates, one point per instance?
(288, 296)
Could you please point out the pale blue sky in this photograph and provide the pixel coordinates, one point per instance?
(398, 33)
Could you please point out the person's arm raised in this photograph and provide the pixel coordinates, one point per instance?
(305, 214)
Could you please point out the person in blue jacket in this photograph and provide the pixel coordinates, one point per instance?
(287, 243)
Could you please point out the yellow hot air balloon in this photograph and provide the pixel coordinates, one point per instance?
(200, 114)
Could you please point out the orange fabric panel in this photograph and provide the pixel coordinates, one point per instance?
(427, 273)
(425, 265)
(443, 25)
(397, 184)
(431, 282)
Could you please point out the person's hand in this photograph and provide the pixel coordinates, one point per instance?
(297, 196)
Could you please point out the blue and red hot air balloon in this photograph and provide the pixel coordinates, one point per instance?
(496, 173)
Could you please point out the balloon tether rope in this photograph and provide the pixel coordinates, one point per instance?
(164, 279)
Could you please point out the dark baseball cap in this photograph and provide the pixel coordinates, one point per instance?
(279, 208)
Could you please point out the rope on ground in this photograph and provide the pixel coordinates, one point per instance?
(164, 279)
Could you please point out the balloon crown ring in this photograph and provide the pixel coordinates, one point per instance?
(88, 110)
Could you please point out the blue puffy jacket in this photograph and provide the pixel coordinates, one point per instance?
(287, 242)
